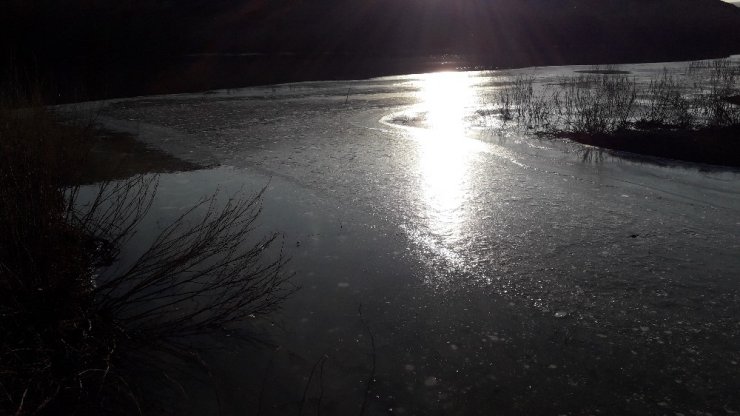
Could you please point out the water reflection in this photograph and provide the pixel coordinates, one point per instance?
(445, 156)
(446, 96)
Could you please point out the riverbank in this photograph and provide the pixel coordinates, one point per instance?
(81, 328)
(715, 146)
(689, 112)
(117, 156)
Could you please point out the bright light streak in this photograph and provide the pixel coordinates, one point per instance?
(445, 152)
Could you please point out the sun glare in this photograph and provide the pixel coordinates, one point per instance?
(445, 152)
(445, 97)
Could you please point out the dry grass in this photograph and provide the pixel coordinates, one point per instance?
(691, 115)
(607, 101)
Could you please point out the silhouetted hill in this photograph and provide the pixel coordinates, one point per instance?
(504, 31)
(138, 42)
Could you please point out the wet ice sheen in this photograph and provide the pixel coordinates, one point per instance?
(512, 249)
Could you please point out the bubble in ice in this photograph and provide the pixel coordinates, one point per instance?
(431, 381)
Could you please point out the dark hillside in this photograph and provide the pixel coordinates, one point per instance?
(552, 29)
(137, 46)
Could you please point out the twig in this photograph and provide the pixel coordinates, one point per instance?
(321, 387)
(371, 378)
(308, 383)
(264, 382)
(23, 400)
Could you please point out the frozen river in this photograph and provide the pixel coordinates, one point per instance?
(496, 273)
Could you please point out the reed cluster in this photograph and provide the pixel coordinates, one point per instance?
(704, 95)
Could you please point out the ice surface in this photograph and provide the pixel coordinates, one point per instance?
(604, 279)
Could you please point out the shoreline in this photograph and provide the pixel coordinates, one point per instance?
(718, 146)
(118, 156)
(73, 81)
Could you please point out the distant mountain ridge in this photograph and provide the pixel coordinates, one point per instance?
(556, 31)
(119, 42)
(538, 30)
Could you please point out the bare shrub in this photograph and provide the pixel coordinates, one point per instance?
(520, 102)
(196, 277)
(716, 82)
(606, 101)
(666, 104)
(68, 321)
(723, 83)
(597, 104)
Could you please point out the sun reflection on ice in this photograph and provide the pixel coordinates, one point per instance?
(445, 96)
(445, 154)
